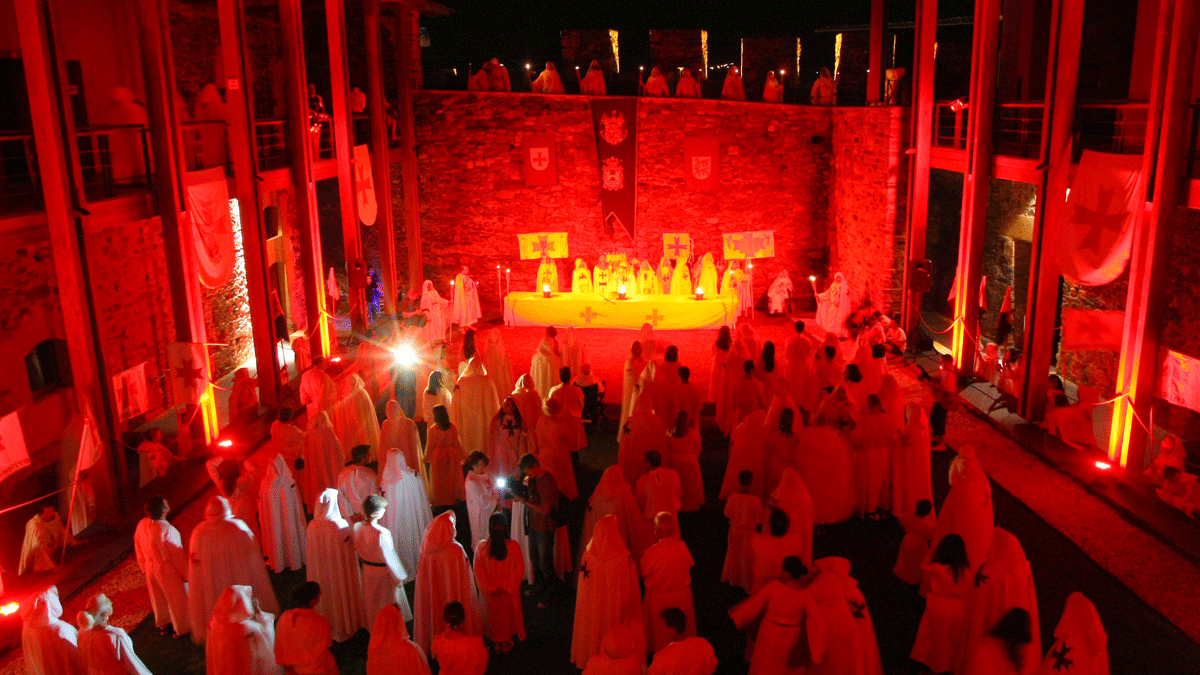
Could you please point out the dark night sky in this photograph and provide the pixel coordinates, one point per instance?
(528, 30)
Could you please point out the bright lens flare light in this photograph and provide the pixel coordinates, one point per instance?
(225, 443)
(502, 483)
(9, 609)
(1103, 466)
(405, 356)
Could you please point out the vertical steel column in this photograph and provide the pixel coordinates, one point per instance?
(922, 147)
(875, 58)
(380, 166)
(409, 184)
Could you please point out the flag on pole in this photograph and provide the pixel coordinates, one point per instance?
(211, 213)
(742, 245)
(14, 456)
(364, 186)
(188, 364)
(534, 244)
(677, 245)
(1096, 237)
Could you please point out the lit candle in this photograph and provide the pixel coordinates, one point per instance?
(546, 290)
(621, 292)
(699, 293)
(813, 279)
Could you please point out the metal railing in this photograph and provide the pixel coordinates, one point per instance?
(1106, 126)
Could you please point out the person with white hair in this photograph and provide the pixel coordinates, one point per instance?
(105, 649)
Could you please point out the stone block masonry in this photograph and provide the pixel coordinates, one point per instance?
(801, 171)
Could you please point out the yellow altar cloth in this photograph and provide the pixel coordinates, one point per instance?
(591, 310)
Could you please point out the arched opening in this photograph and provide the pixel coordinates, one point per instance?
(48, 366)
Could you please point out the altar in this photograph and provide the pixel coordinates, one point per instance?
(591, 310)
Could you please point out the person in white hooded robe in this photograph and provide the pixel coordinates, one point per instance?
(105, 649)
(666, 570)
(465, 309)
(474, 404)
(408, 512)
(607, 593)
(543, 368)
(779, 294)
(356, 482)
(354, 417)
(495, 360)
(317, 389)
(324, 455)
(834, 306)
(332, 563)
(482, 496)
(398, 432)
(281, 516)
(390, 651)
(289, 440)
(619, 654)
(383, 574)
(434, 307)
(1003, 582)
(223, 553)
(967, 509)
(443, 576)
(872, 664)
(303, 636)
(241, 636)
(1081, 634)
(45, 537)
(158, 549)
(50, 645)
(791, 633)
(791, 496)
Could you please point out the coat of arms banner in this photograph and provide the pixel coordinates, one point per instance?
(702, 162)
(615, 121)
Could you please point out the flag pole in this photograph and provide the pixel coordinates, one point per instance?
(74, 491)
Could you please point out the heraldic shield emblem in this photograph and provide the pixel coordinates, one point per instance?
(539, 158)
(701, 167)
(612, 127)
(613, 174)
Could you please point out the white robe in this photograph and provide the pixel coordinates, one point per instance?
(474, 405)
(390, 651)
(107, 650)
(443, 575)
(872, 664)
(834, 306)
(241, 641)
(967, 510)
(354, 484)
(544, 367)
(50, 644)
(317, 391)
(408, 512)
(160, 555)
(332, 563)
(354, 418)
(289, 441)
(223, 552)
(789, 614)
(1080, 634)
(465, 310)
(281, 517)
(497, 363)
(43, 544)
(434, 307)
(398, 432)
(324, 455)
(607, 593)
(779, 292)
(482, 500)
(1003, 582)
(383, 574)
(302, 641)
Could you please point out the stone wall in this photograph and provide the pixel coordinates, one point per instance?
(227, 315)
(868, 202)
(29, 309)
(1096, 368)
(1181, 332)
(777, 168)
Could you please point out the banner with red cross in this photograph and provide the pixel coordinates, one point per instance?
(1096, 236)
(188, 366)
(534, 245)
(743, 245)
(677, 245)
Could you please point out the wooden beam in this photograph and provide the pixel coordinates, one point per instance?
(875, 58)
(1167, 132)
(409, 183)
(975, 184)
(922, 144)
(66, 209)
(339, 78)
(1062, 78)
(240, 119)
(380, 166)
(300, 141)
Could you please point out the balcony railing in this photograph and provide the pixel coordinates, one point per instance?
(1106, 126)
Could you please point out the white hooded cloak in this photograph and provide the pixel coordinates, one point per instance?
(281, 517)
(49, 643)
(434, 307)
(1003, 582)
(473, 406)
(495, 360)
(223, 553)
(465, 309)
(354, 418)
(408, 511)
(1081, 635)
(607, 594)
(324, 455)
(443, 575)
(400, 433)
(241, 641)
(390, 651)
(333, 564)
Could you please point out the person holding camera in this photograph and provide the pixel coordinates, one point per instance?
(540, 496)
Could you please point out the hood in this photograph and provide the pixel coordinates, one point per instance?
(606, 540)
(397, 466)
(525, 382)
(218, 507)
(834, 564)
(327, 506)
(240, 375)
(354, 383)
(439, 534)
(43, 609)
(755, 423)
(612, 484)
(1006, 550)
(495, 341)
(474, 369)
(618, 642)
(791, 488)
(916, 418)
(827, 590)
(1081, 622)
(235, 605)
(387, 633)
(278, 468)
(580, 264)
(320, 422)
(568, 336)
(394, 411)
(707, 261)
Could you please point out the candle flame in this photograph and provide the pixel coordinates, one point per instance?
(699, 291)
(1103, 466)
(9, 609)
(621, 289)
(225, 443)
(546, 288)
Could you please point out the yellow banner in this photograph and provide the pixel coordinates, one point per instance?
(534, 244)
(742, 245)
(677, 245)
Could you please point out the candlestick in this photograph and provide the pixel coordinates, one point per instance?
(499, 288)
